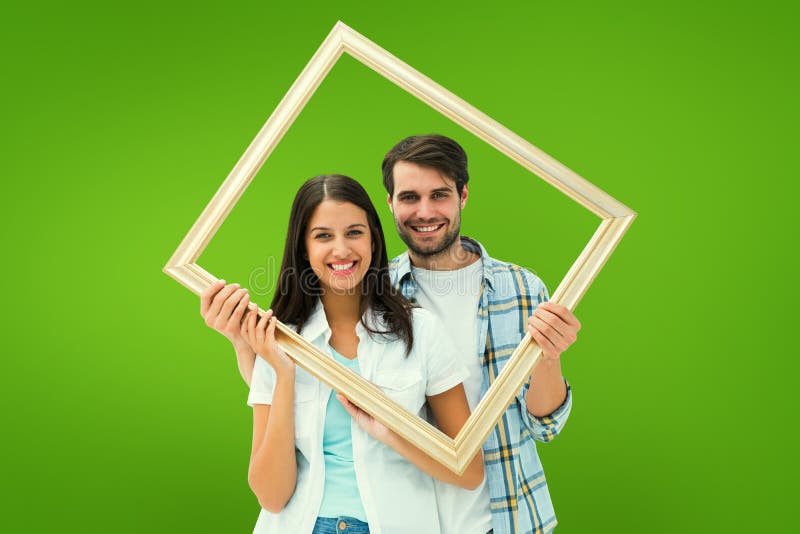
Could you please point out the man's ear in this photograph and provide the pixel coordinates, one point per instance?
(464, 195)
(389, 201)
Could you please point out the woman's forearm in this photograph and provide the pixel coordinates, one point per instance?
(273, 467)
(470, 479)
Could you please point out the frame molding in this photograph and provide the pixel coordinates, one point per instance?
(456, 453)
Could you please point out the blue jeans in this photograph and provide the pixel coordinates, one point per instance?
(340, 525)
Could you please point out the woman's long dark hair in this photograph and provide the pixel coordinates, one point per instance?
(298, 286)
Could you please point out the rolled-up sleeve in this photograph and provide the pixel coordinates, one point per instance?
(444, 369)
(545, 428)
(262, 385)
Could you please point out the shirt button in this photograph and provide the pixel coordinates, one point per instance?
(342, 525)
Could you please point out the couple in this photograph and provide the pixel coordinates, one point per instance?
(433, 329)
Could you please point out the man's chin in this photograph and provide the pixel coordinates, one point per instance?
(426, 250)
(427, 247)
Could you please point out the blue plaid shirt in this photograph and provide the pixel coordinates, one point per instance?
(520, 502)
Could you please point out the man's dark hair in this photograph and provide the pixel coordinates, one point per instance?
(434, 151)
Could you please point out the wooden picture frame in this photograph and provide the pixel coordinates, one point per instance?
(615, 220)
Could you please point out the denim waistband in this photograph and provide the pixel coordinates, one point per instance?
(340, 525)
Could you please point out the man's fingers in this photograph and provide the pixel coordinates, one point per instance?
(552, 320)
(235, 317)
(558, 341)
(238, 313)
(545, 344)
(250, 329)
(563, 313)
(244, 329)
(229, 304)
(208, 294)
(545, 329)
(220, 298)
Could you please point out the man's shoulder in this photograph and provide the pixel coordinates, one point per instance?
(510, 279)
(394, 263)
(398, 261)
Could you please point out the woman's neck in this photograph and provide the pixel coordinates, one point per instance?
(342, 308)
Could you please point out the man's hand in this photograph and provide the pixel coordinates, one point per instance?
(222, 307)
(554, 328)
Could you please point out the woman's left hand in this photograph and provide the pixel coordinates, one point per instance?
(259, 332)
(368, 424)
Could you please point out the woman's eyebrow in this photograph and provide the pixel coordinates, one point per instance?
(328, 229)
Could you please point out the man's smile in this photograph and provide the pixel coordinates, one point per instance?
(427, 230)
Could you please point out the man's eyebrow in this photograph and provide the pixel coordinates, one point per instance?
(437, 190)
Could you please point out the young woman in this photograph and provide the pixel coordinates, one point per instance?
(319, 464)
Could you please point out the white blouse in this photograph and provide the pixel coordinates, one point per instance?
(397, 496)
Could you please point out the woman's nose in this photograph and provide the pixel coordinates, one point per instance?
(340, 248)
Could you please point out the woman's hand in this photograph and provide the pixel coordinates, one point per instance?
(259, 333)
(451, 411)
(368, 424)
(223, 307)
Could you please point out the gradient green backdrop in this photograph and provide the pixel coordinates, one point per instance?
(122, 412)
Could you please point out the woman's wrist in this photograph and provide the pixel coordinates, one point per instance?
(285, 373)
(241, 346)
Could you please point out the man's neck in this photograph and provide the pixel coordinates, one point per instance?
(455, 257)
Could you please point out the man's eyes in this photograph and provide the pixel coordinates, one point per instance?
(413, 198)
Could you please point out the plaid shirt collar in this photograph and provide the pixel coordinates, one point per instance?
(402, 267)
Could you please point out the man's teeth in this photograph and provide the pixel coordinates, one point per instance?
(426, 228)
(342, 266)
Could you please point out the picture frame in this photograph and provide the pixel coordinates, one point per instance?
(615, 219)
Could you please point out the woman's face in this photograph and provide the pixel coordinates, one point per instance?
(339, 245)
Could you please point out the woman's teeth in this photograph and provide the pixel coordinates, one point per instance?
(342, 266)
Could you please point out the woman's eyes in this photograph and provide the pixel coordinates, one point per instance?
(326, 235)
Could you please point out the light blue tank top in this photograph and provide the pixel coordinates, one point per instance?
(341, 495)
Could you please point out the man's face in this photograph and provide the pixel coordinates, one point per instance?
(426, 208)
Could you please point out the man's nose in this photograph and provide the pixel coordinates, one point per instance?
(425, 210)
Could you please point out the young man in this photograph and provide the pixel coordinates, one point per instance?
(485, 305)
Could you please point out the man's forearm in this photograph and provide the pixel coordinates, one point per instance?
(246, 360)
(548, 390)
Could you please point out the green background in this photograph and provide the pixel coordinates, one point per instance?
(122, 412)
